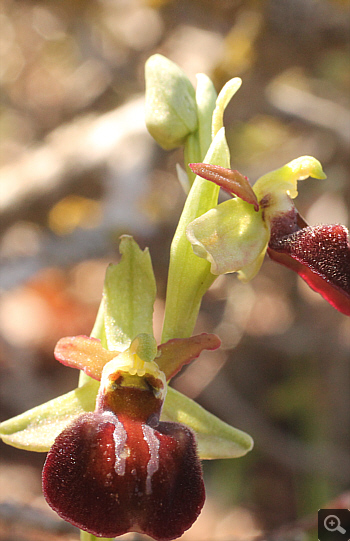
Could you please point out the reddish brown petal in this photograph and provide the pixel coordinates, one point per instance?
(321, 256)
(174, 354)
(83, 353)
(110, 475)
(230, 180)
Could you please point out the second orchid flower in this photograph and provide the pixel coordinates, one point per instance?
(235, 235)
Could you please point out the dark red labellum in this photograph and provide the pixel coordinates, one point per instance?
(319, 254)
(110, 474)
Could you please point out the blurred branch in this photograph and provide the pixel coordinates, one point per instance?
(56, 251)
(18, 521)
(312, 109)
(33, 524)
(116, 142)
(69, 151)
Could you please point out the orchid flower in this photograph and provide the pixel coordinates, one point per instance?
(235, 235)
(124, 448)
(120, 468)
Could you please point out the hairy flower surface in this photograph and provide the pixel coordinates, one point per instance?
(120, 469)
(320, 254)
(235, 235)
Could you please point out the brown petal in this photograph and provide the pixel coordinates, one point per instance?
(83, 353)
(176, 353)
(230, 180)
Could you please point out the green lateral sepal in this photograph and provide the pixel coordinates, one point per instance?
(37, 428)
(215, 439)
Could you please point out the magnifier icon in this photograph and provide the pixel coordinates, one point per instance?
(332, 524)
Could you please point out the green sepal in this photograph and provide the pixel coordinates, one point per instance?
(37, 428)
(98, 330)
(215, 439)
(280, 186)
(129, 294)
(231, 236)
(206, 101)
(170, 110)
(86, 536)
(223, 99)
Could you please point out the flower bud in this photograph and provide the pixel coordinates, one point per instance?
(171, 111)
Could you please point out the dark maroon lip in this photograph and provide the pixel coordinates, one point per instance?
(111, 472)
(319, 254)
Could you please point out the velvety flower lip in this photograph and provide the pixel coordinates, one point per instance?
(319, 254)
(110, 475)
(120, 469)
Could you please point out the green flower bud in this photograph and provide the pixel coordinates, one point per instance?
(171, 111)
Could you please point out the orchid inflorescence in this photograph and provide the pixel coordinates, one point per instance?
(124, 448)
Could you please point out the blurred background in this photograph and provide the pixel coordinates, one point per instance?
(78, 169)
